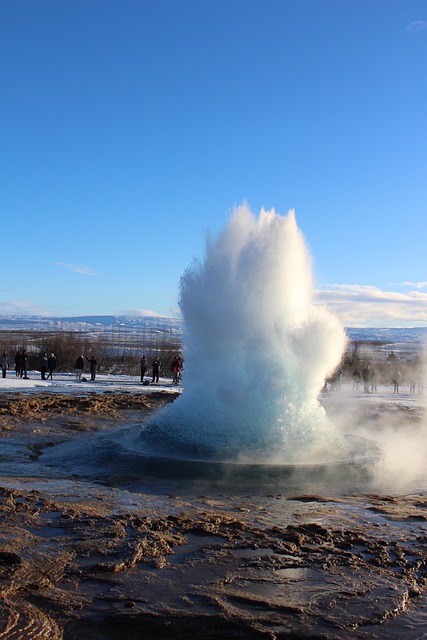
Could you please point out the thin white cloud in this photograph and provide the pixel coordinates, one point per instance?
(355, 305)
(415, 26)
(84, 271)
(21, 308)
(368, 306)
(417, 285)
(140, 313)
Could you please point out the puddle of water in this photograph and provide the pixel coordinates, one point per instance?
(48, 532)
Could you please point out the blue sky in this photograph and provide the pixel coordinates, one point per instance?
(128, 128)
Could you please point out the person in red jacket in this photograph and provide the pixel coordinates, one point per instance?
(176, 370)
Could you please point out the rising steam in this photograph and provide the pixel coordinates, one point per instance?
(257, 349)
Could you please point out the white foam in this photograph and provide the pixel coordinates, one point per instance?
(257, 349)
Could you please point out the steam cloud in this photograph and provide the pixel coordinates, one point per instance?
(257, 349)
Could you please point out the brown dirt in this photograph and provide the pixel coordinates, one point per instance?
(80, 560)
(15, 410)
(78, 569)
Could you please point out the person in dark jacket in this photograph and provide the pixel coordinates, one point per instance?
(92, 364)
(80, 363)
(366, 376)
(18, 364)
(24, 364)
(43, 365)
(51, 365)
(156, 370)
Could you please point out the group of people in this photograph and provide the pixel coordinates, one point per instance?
(48, 365)
(21, 363)
(369, 378)
(80, 365)
(176, 367)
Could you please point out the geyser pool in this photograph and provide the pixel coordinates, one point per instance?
(257, 351)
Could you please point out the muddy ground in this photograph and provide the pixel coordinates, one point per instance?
(19, 411)
(81, 559)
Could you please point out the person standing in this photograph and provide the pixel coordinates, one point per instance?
(18, 364)
(396, 381)
(356, 380)
(373, 381)
(79, 366)
(156, 370)
(144, 365)
(176, 370)
(4, 363)
(43, 365)
(92, 364)
(24, 364)
(366, 375)
(51, 365)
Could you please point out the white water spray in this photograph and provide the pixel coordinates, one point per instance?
(257, 349)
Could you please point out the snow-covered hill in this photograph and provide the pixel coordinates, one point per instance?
(392, 338)
(88, 323)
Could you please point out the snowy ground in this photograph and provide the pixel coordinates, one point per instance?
(67, 383)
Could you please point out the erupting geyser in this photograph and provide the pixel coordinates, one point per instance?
(257, 350)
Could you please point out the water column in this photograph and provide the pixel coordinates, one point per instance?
(257, 349)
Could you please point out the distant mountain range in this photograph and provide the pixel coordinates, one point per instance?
(88, 323)
(383, 335)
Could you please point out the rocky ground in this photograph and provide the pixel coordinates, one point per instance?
(86, 560)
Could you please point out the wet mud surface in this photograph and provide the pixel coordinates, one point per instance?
(82, 559)
(15, 410)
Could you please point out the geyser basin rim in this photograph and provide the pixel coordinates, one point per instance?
(362, 459)
(360, 451)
